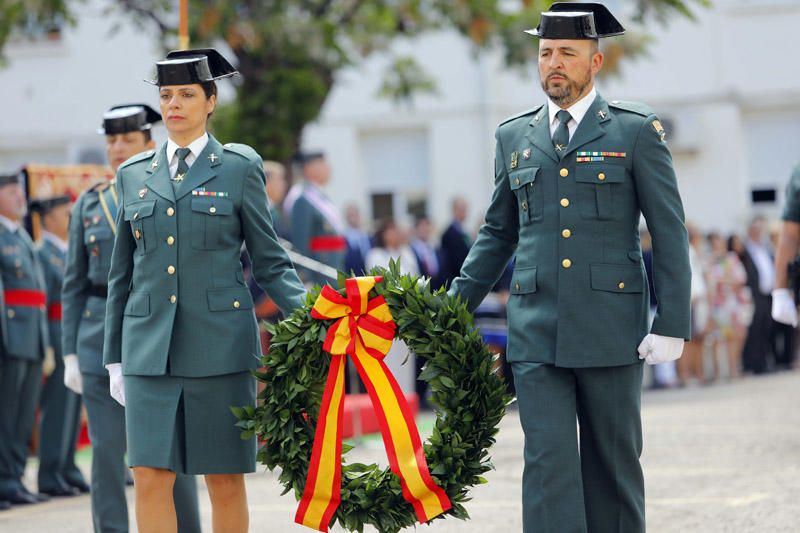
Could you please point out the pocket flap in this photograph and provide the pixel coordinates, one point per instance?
(522, 177)
(524, 280)
(138, 304)
(92, 235)
(138, 210)
(212, 206)
(634, 255)
(599, 174)
(229, 299)
(617, 278)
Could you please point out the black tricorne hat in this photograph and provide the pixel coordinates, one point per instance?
(577, 20)
(186, 67)
(45, 205)
(7, 178)
(126, 118)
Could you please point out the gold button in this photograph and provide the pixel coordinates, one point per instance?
(566, 263)
(516, 286)
(171, 269)
(92, 238)
(566, 234)
(564, 172)
(212, 210)
(136, 216)
(170, 211)
(516, 181)
(87, 313)
(236, 304)
(621, 285)
(170, 240)
(601, 176)
(11, 313)
(564, 202)
(524, 206)
(173, 299)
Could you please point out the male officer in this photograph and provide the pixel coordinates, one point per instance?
(571, 180)
(25, 344)
(60, 407)
(784, 308)
(316, 227)
(91, 239)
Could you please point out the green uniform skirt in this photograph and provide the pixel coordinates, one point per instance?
(186, 425)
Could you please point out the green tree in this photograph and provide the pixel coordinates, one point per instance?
(29, 17)
(290, 51)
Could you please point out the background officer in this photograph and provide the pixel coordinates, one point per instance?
(784, 307)
(572, 178)
(91, 240)
(60, 407)
(316, 227)
(25, 342)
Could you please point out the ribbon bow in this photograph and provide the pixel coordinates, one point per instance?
(364, 331)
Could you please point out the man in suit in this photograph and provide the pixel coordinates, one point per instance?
(455, 242)
(60, 407)
(316, 227)
(91, 239)
(572, 178)
(25, 343)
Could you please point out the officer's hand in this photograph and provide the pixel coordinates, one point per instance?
(657, 349)
(784, 309)
(49, 363)
(72, 374)
(116, 384)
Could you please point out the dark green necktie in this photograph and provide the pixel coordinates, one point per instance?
(561, 135)
(183, 166)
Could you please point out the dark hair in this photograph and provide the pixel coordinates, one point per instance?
(385, 225)
(210, 89)
(148, 136)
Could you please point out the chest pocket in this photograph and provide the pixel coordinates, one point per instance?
(597, 187)
(99, 242)
(143, 225)
(530, 198)
(16, 263)
(208, 216)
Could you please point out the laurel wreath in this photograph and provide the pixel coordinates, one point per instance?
(468, 397)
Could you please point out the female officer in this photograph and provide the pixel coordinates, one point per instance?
(181, 336)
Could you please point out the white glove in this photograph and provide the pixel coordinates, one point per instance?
(784, 310)
(116, 385)
(72, 374)
(657, 349)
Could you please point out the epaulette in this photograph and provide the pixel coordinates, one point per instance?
(138, 157)
(634, 107)
(523, 114)
(243, 150)
(100, 186)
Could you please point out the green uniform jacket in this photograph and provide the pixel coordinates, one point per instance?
(579, 293)
(23, 328)
(314, 234)
(91, 240)
(52, 261)
(791, 211)
(177, 299)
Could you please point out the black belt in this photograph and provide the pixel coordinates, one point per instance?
(100, 291)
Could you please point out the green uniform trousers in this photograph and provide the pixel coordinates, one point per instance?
(588, 480)
(59, 426)
(20, 383)
(107, 433)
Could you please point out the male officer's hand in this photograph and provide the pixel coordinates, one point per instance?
(784, 310)
(657, 349)
(72, 374)
(49, 363)
(116, 384)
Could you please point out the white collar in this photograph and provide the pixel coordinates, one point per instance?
(55, 240)
(9, 224)
(196, 146)
(577, 110)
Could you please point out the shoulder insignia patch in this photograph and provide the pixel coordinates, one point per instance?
(659, 130)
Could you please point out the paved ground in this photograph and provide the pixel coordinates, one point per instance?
(724, 458)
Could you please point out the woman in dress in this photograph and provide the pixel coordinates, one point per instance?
(181, 336)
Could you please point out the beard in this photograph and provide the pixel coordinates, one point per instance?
(568, 91)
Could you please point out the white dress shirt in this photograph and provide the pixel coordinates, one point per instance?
(196, 146)
(577, 110)
(9, 224)
(56, 241)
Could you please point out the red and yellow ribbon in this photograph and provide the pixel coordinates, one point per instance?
(364, 331)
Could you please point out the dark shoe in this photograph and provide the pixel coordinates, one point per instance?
(4, 505)
(58, 492)
(19, 497)
(40, 498)
(81, 486)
